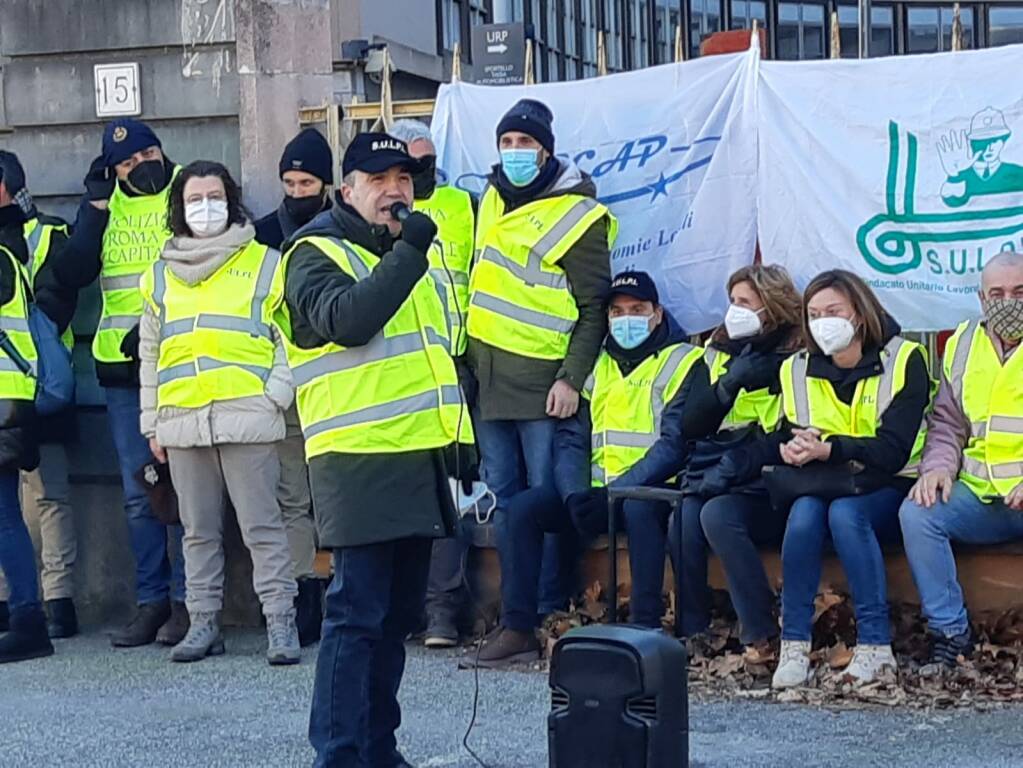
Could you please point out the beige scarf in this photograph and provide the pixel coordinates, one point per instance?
(193, 259)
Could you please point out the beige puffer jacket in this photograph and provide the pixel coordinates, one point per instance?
(245, 420)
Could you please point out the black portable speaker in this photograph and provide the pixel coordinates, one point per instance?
(618, 699)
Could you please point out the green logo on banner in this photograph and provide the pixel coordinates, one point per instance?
(898, 240)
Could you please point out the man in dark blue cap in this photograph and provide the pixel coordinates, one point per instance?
(129, 184)
(536, 317)
(380, 407)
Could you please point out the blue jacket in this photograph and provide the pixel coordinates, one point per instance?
(667, 457)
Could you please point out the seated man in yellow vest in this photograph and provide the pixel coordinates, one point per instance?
(632, 428)
(971, 481)
(128, 185)
(536, 317)
(379, 402)
(453, 211)
(45, 247)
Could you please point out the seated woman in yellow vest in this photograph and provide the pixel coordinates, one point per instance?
(632, 428)
(762, 327)
(215, 386)
(853, 405)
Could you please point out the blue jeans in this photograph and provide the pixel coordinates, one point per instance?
(17, 557)
(537, 512)
(856, 524)
(374, 601)
(734, 527)
(156, 577)
(928, 535)
(516, 455)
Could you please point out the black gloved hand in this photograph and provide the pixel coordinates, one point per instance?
(720, 478)
(588, 511)
(750, 370)
(418, 230)
(130, 344)
(99, 181)
(11, 173)
(462, 464)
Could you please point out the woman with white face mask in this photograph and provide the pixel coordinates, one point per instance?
(761, 328)
(215, 386)
(853, 407)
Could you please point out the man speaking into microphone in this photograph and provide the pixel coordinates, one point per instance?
(379, 403)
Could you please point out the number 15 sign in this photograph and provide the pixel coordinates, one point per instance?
(117, 90)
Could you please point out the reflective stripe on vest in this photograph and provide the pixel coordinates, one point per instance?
(132, 242)
(15, 385)
(990, 395)
(216, 343)
(627, 410)
(760, 406)
(38, 238)
(811, 402)
(397, 393)
(450, 256)
(519, 297)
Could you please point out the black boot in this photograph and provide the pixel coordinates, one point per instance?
(142, 629)
(61, 618)
(5, 618)
(309, 610)
(27, 638)
(176, 627)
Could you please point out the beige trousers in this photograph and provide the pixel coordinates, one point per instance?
(295, 499)
(247, 475)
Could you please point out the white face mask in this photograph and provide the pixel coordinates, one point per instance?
(741, 322)
(206, 217)
(480, 503)
(832, 334)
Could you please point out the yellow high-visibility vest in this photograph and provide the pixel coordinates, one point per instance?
(519, 297)
(990, 394)
(626, 410)
(756, 407)
(15, 385)
(133, 240)
(398, 393)
(808, 401)
(451, 255)
(216, 341)
(38, 237)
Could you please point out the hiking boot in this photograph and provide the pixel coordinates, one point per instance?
(282, 639)
(507, 646)
(793, 666)
(202, 639)
(5, 616)
(440, 633)
(144, 625)
(175, 628)
(61, 618)
(26, 637)
(309, 610)
(868, 661)
(761, 652)
(945, 651)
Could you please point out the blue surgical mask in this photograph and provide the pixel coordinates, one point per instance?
(630, 330)
(521, 166)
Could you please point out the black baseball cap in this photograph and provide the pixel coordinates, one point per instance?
(638, 285)
(375, 153)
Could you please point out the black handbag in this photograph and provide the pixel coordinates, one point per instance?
(785, 483)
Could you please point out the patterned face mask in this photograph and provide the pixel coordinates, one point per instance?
(1005, 317)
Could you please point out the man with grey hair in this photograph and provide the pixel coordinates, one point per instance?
(970, 488)
(453, 211)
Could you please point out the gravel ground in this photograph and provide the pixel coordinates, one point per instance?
(92, 706)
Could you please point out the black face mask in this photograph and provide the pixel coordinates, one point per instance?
(424, 182)
(303, 209)
(148, 178)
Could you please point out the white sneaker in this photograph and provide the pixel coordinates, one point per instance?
(793, 666)
(868, 661)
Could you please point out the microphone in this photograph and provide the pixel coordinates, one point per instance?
(400, 211)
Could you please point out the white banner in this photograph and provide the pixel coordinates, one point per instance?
(907, 171)
(672, 150)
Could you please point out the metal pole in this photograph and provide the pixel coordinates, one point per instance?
(864, 25)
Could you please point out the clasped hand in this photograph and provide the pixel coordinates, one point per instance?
(805, 446)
